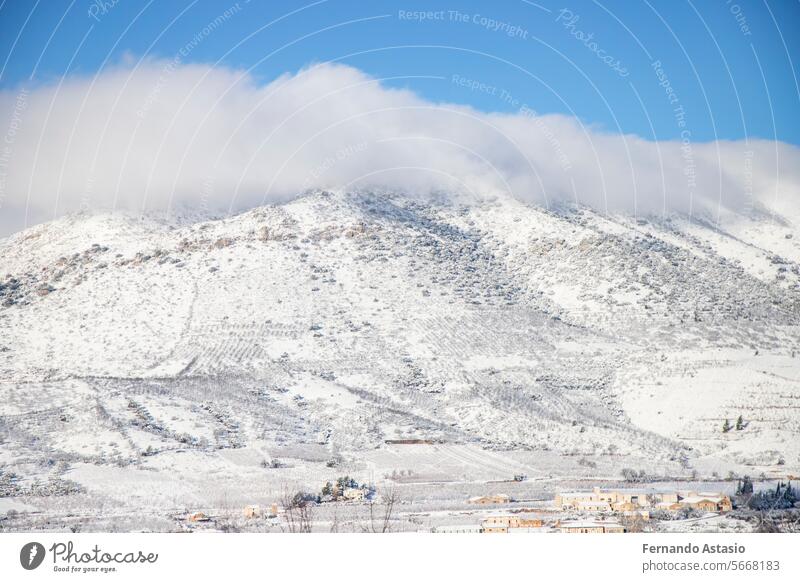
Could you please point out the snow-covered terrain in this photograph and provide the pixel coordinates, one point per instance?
(165, 360)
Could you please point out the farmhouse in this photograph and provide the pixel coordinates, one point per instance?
(666, 506)
(529, 522)
(251, 511)
(706, 501)
(354, 493)
(593, 506)
(507, 523)
(489, 499)
(630, 501)
(572, 498)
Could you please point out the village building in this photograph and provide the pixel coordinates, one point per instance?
(571, 499)
(489, 499)
(633, 501)
(354, 494)
(593, 506)
(252, 511)
(667, 506)
(706, 501)
(505, 523)
(501, 521)
(525, 522)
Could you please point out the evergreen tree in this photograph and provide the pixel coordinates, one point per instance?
(739, 423)
(727, 426)
(790, 493)
(745, 486)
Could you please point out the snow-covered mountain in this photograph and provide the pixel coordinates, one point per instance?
(342, 320)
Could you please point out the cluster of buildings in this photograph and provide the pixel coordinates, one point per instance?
(641, 501)
(517, 524)
(625, 503)
(249, 512)
(255, 511)
(511, 523)
(499, 523)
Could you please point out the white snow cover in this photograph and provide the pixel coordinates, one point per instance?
(182, 364)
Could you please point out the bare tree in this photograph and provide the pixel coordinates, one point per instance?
(380, 513)
(633, 523)
(335, 522)
(298, 508)
(226, 519)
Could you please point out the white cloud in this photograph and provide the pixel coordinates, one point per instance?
(160, 135)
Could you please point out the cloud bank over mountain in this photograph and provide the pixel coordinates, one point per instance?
(161, 135)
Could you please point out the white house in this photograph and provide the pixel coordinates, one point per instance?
(354, 494)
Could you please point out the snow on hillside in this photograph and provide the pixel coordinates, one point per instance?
(138, 346)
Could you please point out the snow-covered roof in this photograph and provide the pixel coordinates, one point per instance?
(626, 491)
(699, 498)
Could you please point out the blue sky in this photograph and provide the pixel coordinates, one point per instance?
(732, 66)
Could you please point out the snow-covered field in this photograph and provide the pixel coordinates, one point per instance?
(165, 363)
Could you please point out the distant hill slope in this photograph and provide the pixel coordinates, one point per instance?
(350, 318)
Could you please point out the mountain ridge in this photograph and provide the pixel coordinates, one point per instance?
(364, 317)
